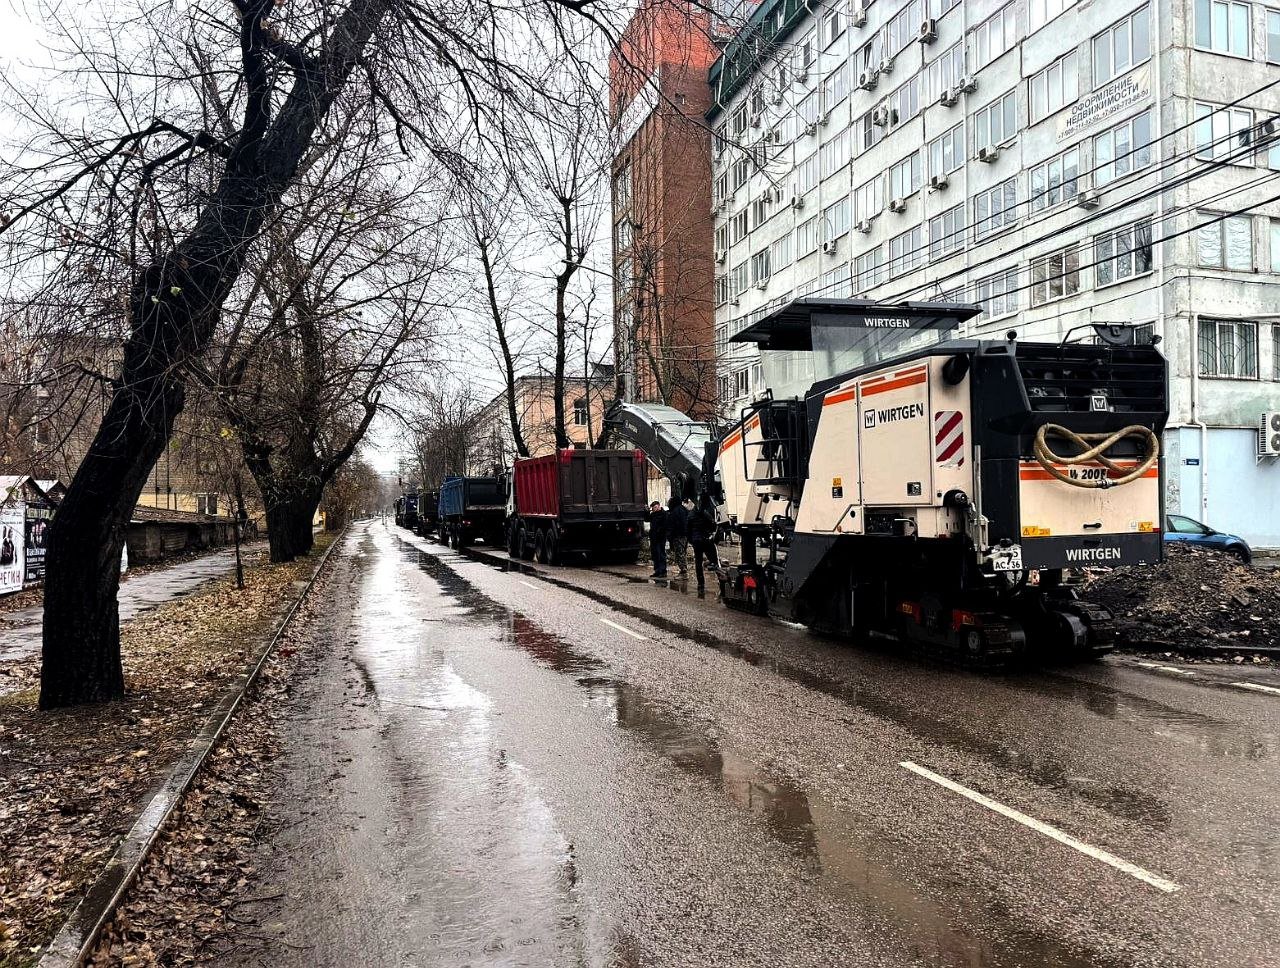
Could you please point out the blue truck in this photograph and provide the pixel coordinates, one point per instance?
(471, 508)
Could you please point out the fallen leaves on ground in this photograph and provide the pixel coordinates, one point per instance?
(73, 781)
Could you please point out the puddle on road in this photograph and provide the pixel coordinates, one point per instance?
(866, 874)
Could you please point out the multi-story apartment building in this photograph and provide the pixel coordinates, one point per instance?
(1060, 163)
(664, 278)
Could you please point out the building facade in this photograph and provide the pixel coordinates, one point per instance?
(1060, 163)
(664, 279)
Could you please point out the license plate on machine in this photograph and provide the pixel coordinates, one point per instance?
(1010, 560)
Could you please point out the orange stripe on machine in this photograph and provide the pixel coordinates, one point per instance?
(1032, 471)
(895, 384)
(736, 436)
(840, 397)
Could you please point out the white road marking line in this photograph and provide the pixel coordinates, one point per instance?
(1043, 828)
(1257, 687)
(621, 628)
(1163, 668)
(527, 584)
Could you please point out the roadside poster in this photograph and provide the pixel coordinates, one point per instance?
(37, 537)
(12, 537)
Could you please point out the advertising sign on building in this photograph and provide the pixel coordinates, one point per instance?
(1106, 102)
(12, 537)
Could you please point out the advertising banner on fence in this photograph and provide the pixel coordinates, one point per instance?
(37, 539)
(12, 537)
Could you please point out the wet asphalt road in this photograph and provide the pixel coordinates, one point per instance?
(565, 767)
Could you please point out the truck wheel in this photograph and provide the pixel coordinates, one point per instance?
(553, 548)
(513, 541)
(540, 548)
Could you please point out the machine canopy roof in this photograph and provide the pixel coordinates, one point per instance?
(790, 327)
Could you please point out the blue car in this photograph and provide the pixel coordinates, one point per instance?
(1179, 527)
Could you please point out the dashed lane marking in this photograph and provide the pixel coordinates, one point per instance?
(1039, 826)
(527, 584)
(1164, 668)
(624, 629)
(1257, 687)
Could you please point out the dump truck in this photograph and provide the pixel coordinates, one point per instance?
(578, 503)
(428, 513)
(897, 481)
(406, 507)
(472, 508)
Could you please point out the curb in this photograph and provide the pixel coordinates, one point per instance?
(79, 933)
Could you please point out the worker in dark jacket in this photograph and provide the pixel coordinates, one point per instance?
(702, 536)
(658, 539)
(678, 519)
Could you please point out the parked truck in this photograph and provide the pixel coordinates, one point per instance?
(578, 502)
(428, 513)
(471, 508)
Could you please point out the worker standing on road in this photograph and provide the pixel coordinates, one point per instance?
(702, 535)
(679, 539)
(658, 539)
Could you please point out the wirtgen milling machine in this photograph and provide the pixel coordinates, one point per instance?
(898, 482)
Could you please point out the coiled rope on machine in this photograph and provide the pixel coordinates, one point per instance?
(1049, 460)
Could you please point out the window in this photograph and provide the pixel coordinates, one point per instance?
(1055, 276)
(939, 7)
(836, 87)
(1228, 347)
(739, 122)
(943, 72)
(1275, 351)
(807, 110)
(807, 175)
(720, 188)
(996, 123)
(835, 154)
(1124, 148)
(1055, 181)
(722, 341)
(756, 102)
(1223, 26)
(1180, 524)
(760, 268)
(1121, 46)
(905, 177)
(759, 210)
(906, 251)
(780, 253)
(1222, 132)
(722, 237)
(580, 412)
(867, 133)
(1054, 87)
(740, 279)
(1275, 245)
(1040, 12)
(722, 384)
(757, 376)
(806, 237)
(946, 233)
(804, 56)
(742, 383)
(1225, 243)
(995, 208)
(946, 152)
(1273, 36)
(622, 235)
(206, 504)
(835, 283)
(868, 200)
(867, 57)
(832, 26)
(904, 103)
(901, 28)
(1123, 253)
(622, 190)
(738, 224)
(835, 220)
(741, 170)
(998, 294)
(722, 295)
(993, 37)
(869, 269)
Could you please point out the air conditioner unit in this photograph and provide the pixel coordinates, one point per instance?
(937, 182)
(721, 256)
(1269, 434)
(863, 226)
(968, 84)
(777, 97)
(1088, 198)
(829, 247)
(734, 301)
(988, 153)
(802, 73)
(797, 201)
(761, 286)
(811, 128)
(824, 117)
(886, 65)
(880, 117)
(755, 120)
(1269, 127)
(949, 96)
(897, 204)
(868, 80)
(928, 30)
(858, 15)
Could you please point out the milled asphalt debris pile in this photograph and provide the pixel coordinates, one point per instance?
(1193, 602)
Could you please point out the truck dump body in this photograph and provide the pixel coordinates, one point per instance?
(578, 501)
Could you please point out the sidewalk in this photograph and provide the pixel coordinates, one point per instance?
(20, 630)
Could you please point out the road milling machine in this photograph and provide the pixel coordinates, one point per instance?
(899, 481)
